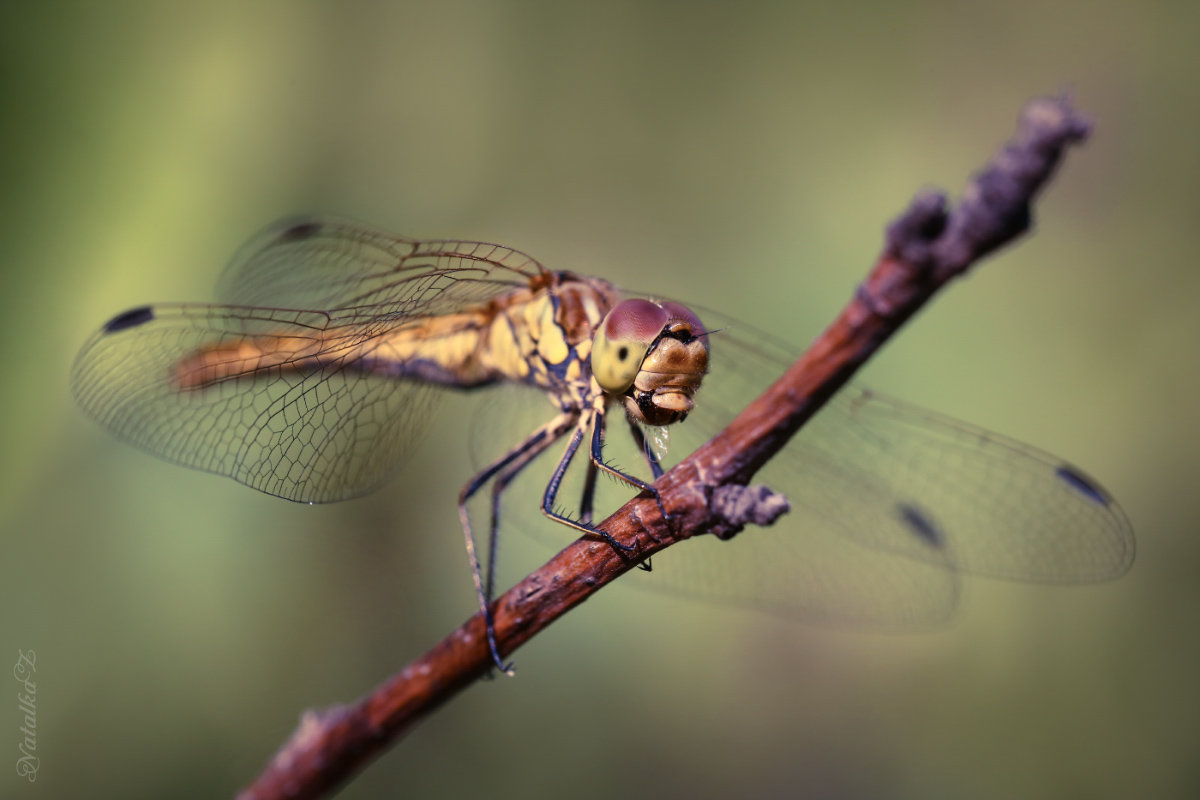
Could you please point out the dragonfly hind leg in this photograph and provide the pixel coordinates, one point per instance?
(503, 470)
(499, 484)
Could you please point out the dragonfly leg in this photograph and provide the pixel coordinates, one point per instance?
(556, 480)
(518, 457)
(639, 438)
(597, 457)
(588, 501)
(500, 483)
(589, 489)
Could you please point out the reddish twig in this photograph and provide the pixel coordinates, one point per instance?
(926, 247)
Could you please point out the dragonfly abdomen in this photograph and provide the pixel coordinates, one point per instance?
(221, 362)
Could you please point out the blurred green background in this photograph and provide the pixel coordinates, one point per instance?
(743, 155)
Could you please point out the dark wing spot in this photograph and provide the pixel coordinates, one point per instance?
(129, 319)
(921, 525)
(623, 353)
(1082, 484)
(300, 231)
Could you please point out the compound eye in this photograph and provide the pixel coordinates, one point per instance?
(622, 342)
(680, 316)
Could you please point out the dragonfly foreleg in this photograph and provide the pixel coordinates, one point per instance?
(639, 437)
(587, 503)
(505, 467)
(556, 480)
(597, 455)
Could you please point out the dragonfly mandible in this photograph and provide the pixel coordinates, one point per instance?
(313, 375)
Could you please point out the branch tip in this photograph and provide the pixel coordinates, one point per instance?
(996, 204)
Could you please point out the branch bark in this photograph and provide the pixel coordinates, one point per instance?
(927, 246)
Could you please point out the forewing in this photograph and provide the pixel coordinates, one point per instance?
(322, 264)
(314, 428)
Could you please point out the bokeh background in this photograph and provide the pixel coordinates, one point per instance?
(743, 155)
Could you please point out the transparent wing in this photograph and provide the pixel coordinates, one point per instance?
(885, 468)
(314, 425)
(891, 504)
(319, 263)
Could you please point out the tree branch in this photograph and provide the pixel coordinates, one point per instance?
(926, 247)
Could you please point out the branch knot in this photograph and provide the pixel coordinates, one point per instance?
(737, 506)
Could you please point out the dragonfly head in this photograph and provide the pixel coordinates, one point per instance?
(653, 356)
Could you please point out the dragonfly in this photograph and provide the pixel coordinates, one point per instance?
(317, 370)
